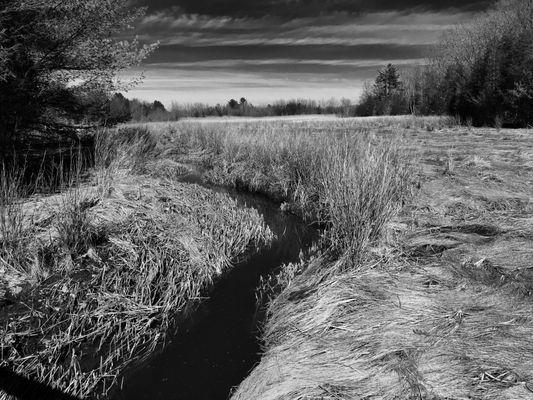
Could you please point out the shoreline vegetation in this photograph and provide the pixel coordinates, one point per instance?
(440, 310)
(349, 181)
(97, 276)
(436, 302)
(419, 285)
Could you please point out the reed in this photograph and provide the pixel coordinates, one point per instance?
(442, 313)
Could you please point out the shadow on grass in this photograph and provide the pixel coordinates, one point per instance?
(23, 388)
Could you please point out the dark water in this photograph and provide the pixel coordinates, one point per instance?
(42, 162)
(216, 354)
(23, 388)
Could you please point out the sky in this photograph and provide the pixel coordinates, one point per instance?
(265, 50)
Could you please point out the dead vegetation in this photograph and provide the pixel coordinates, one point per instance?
(433, 303)
(443, 314)
(350, 183)
(109, 267)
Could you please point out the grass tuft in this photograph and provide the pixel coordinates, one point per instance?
(13, 221)
(351, 183)
(122, 260)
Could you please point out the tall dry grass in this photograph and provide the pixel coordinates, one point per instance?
(125, 257)
(12, 220)
(363, 185)
(350, 181)
(448, 322)
(121, 258)
(21, 218)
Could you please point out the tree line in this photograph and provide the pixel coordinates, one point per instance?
(481, 72)
(59, 60)
(122, 109)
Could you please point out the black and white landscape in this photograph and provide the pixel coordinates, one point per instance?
(266, 199)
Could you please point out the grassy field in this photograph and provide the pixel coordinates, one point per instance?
(418, 289)
(443, 311)
(431, 302)
(342, 174)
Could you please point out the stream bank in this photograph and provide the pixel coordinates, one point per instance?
(221, 347)
(83, 312)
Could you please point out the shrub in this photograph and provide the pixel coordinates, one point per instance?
(47, 48)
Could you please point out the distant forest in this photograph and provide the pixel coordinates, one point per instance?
(481, 73)
(58, 69)
(121, 109)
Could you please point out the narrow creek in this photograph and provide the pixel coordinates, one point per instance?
(217, 352)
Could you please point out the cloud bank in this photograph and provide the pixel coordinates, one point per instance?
(212, 50)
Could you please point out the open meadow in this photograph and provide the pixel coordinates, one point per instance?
(422, 285)
(419, 285)
(266, 200)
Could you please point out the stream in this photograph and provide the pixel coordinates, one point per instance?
(221, 347)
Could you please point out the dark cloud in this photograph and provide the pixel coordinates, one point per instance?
(299, 8)
(271, 49)
(174, 53)
(347, 69)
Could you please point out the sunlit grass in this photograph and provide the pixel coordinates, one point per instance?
(349, 181)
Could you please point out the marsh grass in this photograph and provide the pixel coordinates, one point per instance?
(127, 258)
(121, 262)
(449, 163)
(20, 219)
(13, 235)
(364, 183)
(121, 152)
(448, 325)
(351, 182)
(73, 223)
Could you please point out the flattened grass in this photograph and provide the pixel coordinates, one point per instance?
(451, 321)
(453, 324)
